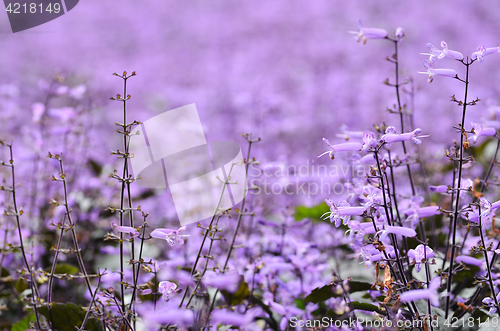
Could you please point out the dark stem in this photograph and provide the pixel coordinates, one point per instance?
(457, 201)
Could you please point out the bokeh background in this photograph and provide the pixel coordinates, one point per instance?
(288, 72)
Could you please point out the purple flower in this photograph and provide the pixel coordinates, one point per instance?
(168, 313)
(344, 147)
(226, 317)
(437, 72)
(469, 260)
(482, 51)
(434, 53)
(126, 229)
(169, 235)
(430, 293)
(399, 33)
(167, 288)
(439, 189)
(342, 212)
(229, 281)
(399, 230)
(423, 212)
(418, 255)
(489, 302)
(480, 131)
(486, 207)
(413, 136)
(441, 54)
(346, 134)
(364, 34)
(449, 53)
(368, 141)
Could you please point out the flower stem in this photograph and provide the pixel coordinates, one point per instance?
(457, 201)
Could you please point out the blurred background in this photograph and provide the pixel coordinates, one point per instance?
(286, 71)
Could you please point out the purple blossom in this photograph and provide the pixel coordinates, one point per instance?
(437, 72)
(125, 229)
(167, 288)
(399, 33)
(439, 189)
(469, 260)
(223, 281)
(482, 51)
(480, 131)
(399, 230)
(430, 293)
(418, 255)
(227, 317)
(441, 54)
(344, 147)
(364, 34)
(347, 135)
(170, 235)
(369, 141)
(449, 53)
(342, 212)
(489, 302)
(371, 196)
(413, 136)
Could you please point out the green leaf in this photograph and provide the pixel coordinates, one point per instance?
(67, 316)
(314, 213)
(366, 306)
(326, 292)
(300, 303)
(320, 294)
(65, 268)
(237, 297)
(96, 167)
(20, 286)
(24, 324)
(356, 286)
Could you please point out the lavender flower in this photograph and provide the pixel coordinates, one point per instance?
(482, 51)
(347, 135)
(479, 131)
(489, 302)
(449, 53)
(399, 230)
(369, 141)
(430, 293)
(413, 136)
(229, 281)
(418, 255)
(441, 54)
(167, 288)
(399, 33)
(169, 235)
(342, 212)
(363, 34)
(469, 260)
(437, 72)
(344, 147)
(125, 229)
(439, 189)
